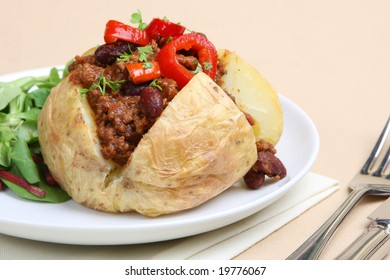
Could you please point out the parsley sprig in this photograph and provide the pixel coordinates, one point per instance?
(124, 57)
(144, 52)
(155, 84)
(136, 18)
(206, 66)
(102, 84)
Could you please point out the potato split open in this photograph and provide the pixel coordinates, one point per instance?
(200, 145)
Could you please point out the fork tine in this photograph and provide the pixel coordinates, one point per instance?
(377, 149)
(382, 166)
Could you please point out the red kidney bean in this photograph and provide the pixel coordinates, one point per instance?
(129, 88)
(108, 53)
(270, 165)
(267, 164)
(254, 179)
(152, 102)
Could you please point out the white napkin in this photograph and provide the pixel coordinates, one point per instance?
(221, 244)
(229, 241)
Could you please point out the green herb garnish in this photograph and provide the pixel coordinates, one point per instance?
(147, 65)
(155, 84)
(197, 69)
(102, 84)
(136, 18)
(207, 65)
(144, 52)
(124, 57)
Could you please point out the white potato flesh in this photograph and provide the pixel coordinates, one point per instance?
(253, 95)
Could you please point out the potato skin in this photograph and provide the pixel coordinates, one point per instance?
(70, 146)
(199, 146)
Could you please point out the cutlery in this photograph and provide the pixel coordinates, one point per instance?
(372, 244)
(366, 182)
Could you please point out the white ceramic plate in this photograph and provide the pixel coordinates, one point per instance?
(71, 223)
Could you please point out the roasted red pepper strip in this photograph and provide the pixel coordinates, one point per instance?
(116, 30)
(164, 28)
(206, 54)
(143, 72)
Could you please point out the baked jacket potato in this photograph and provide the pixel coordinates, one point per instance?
(203, 141)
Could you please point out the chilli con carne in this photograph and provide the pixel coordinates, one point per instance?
(129, 80)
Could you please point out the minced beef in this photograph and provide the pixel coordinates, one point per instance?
(120, 124)
(84, 71)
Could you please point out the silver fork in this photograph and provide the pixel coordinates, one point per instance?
(366, 182)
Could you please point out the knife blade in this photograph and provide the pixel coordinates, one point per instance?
(374, 242)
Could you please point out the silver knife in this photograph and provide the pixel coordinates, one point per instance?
(374, 243)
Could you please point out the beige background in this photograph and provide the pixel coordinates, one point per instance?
(332, 58)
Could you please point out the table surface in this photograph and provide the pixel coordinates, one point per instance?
(329, 57)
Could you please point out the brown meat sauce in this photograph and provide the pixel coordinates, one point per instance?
(125, 111)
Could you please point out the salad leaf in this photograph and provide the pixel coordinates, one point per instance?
(22, 159)
(53, 194)
(11, 90)
(21, 101)
(37, 97)
(5, 158)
